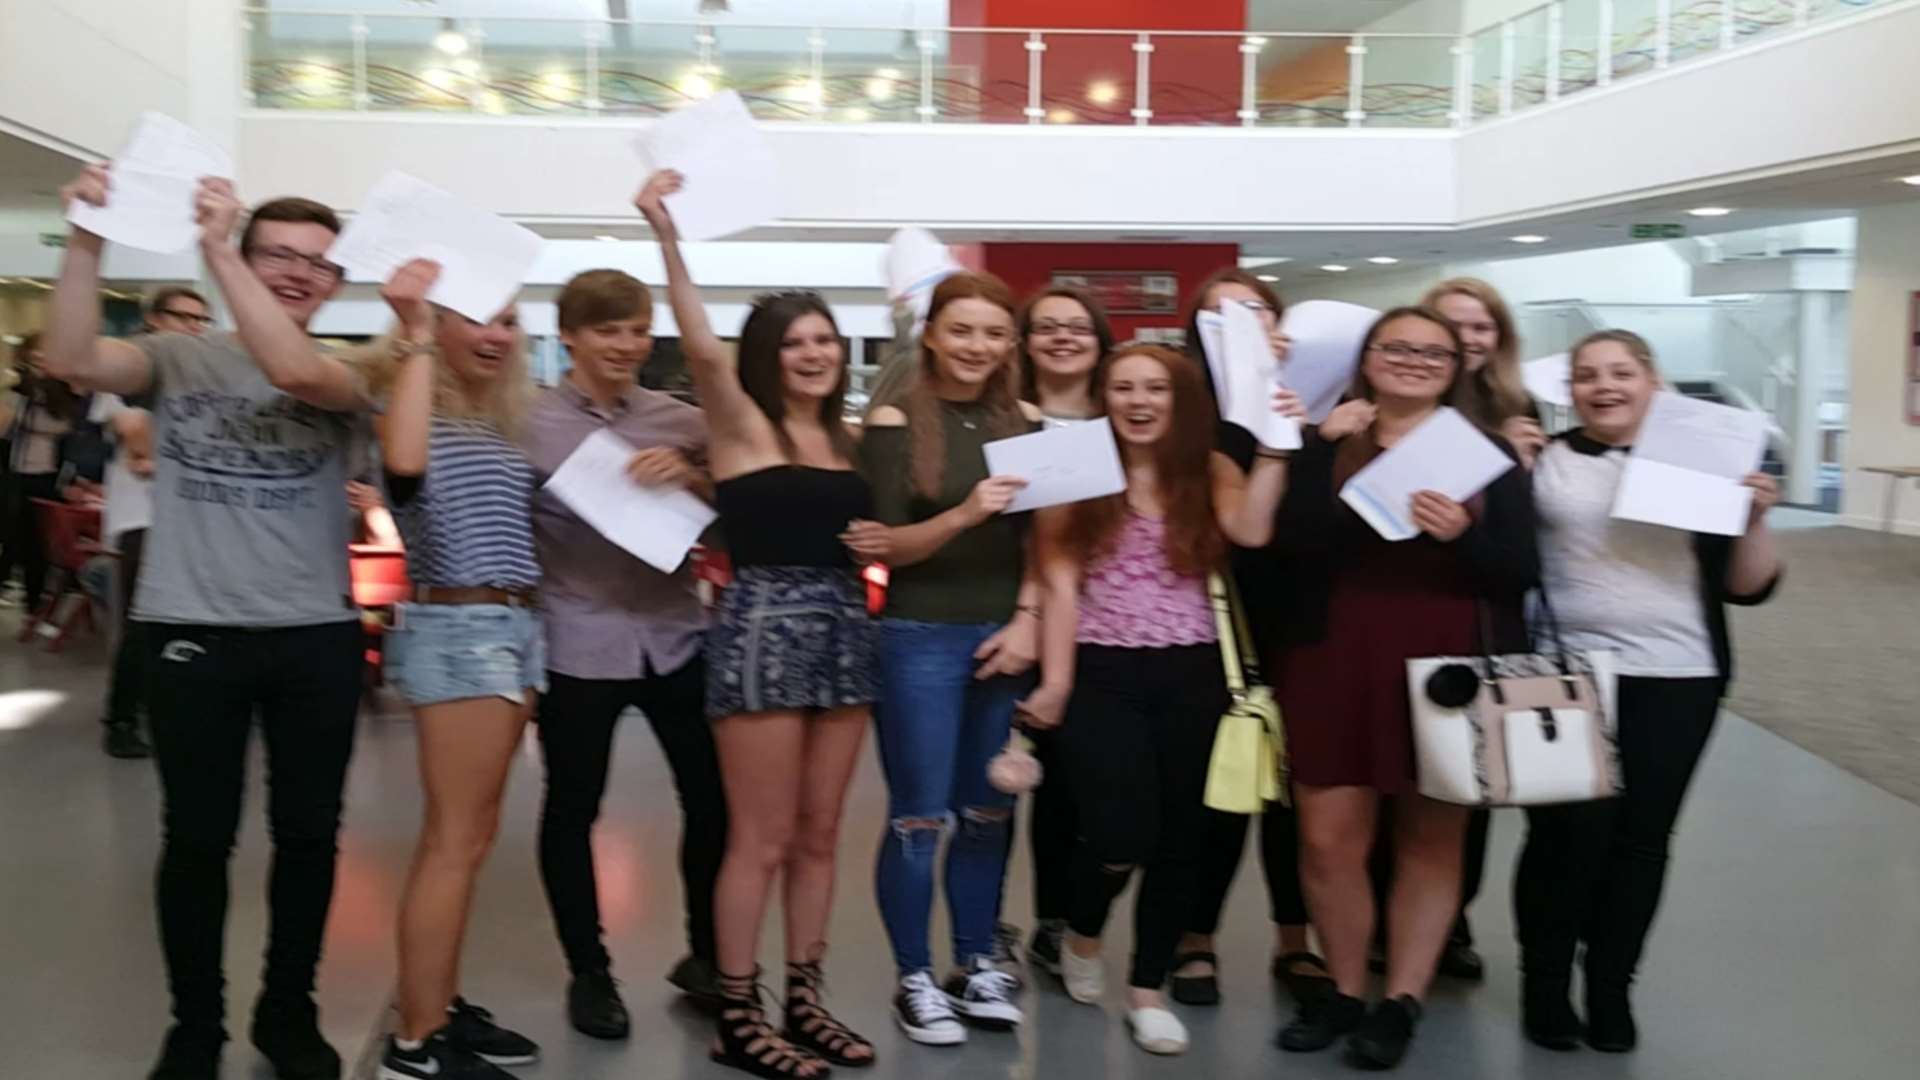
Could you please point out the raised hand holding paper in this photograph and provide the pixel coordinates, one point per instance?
(727, 162)
(916, 261)
(1445, 453)
(1327, 335)
(1060, 465)
(657, 525)
(1688, 464)
(1251, 374)
(483, 257)
(150, 200)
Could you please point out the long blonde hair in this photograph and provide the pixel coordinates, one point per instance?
(1496, 392)
(504, 407)
(926, 431)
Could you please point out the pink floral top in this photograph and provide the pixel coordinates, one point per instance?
(1131, 597)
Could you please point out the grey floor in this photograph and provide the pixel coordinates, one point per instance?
(1789, 946)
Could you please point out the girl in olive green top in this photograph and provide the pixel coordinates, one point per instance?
(958, 629)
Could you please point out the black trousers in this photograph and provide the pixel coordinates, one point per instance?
(1053, 830)
(1473, 868)
(207, 686)
(1136, 740)
(1224, 839)
(22, 544)
(126, 693)
(1593, 872)
(576, 721)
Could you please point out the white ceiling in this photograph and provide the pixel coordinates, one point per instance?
(30, 179)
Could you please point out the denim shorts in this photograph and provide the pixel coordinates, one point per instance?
(452, 652)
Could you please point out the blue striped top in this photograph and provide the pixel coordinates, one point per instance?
(470, 524)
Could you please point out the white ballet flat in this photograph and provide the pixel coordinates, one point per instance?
(1157, 1031)
(1085, 976)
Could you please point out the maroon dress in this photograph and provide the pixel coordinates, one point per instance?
(1344, 694)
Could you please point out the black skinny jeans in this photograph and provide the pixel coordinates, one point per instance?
(127, 692)
(1594, 872)
(23, 545)
(1053, 830)
(576, 723)
(1137, 739)
(207, 684)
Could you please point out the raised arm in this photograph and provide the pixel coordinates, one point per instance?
(74, 350)
(715, 370)
(286, 355)
(1245, 503)
(408, 420)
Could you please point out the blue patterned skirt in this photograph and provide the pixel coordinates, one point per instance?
(790, 637)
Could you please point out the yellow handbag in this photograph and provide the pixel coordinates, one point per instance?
(1249, 764)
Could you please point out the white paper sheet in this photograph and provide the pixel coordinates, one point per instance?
(1327, 335)
(1060, 465)
(1446, 454)
(483, 257)
(655, 524)
(1251, 374)
(150, 196)
(731, 181)
(915, 263)
(1550, 379)
(1687, 464)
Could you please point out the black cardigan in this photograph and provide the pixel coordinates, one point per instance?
(1500, 548)
(1715, 555)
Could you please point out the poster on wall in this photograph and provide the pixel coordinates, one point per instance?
(1913, 361)
(1128, 292)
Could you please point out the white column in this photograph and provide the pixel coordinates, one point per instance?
(1809, 376)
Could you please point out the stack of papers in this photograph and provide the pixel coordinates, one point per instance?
(656, 525)
(1245, 374)
(1327, 335)
(1065, 464)
(1687, 465)
(728, 165)
(1446, 454)
(483, 257)
(150, 197)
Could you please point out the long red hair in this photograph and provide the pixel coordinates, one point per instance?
(1183, 465)
(926, 432)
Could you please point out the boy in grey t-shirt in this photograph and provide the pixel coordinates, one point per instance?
(243, 600)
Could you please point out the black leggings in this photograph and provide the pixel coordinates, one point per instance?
(1136, 741)
(126, 692)
(23, 545)
(1225, 839)
(1593, 872)
(1053, 830)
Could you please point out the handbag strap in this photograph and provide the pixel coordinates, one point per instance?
(1229, 620)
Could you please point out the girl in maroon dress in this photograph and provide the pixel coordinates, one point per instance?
(1360, 607)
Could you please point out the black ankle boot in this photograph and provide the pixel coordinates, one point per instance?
(1382, 1040)
(1610, 1026)
(287, 1032)
(1321, 1022)
(1546, 1013)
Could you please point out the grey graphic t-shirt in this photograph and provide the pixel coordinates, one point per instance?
(249, 495)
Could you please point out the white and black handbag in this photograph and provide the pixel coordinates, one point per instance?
(1525, 729)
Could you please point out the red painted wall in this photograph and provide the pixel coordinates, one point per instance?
(1028, 267)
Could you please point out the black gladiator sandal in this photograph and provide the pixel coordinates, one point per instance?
(812, 1028)
(745, 1040)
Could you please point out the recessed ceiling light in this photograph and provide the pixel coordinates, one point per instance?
(1711, 211)
(608, 237)
(1334, 268)
(1913, 180)
(1528, 238)
(1383, 260)
(1268, 278)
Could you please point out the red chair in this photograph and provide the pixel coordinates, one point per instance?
(70, 535)
(379, 580)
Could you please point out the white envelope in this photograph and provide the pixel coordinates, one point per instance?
(1446, 453)
(150, 195)
(1251, 374)
(483, 257)
(1687, 465)
(657, 525)
(1065, 464)
(1327, 335)
(731, 175)
(1550, 379)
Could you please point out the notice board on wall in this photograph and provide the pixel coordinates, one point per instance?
(1128, 292)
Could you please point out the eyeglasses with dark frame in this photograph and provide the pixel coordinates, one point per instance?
(279, 258)
(1050, 327)
(1399, 352)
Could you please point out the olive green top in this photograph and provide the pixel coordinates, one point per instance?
(975, 577)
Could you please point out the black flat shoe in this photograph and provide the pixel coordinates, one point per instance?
(1460, 961)
(1300, 985)
(1610, 1026)
(1321, 1022)
(594, 1006)
(1382, 1040)
(1546, 1015)
(698, 980)
(1196, 989)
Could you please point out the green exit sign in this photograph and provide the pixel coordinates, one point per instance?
(53, 239)
(1662, 230)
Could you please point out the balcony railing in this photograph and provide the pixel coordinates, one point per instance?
(339, 61)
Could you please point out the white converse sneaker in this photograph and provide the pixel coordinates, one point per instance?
(925, 1014)
(984, 995)
(1157, 1031)
(1085, 976)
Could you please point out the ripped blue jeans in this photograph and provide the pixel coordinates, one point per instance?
(938, 728)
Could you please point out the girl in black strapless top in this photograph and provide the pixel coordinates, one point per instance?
(790, 654)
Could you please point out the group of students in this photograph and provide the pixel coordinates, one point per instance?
(1090, 626)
